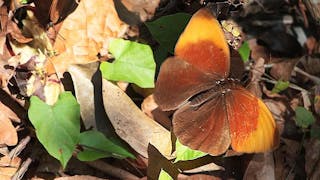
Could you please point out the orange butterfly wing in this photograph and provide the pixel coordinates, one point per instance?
(252, 127)
(203, 45)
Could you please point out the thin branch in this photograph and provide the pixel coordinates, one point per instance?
(22, 170)
(111, 170)
(292, 86)
(315, 79)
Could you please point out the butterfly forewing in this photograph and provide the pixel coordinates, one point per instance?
(252, 127)
(178, 81)
(203, 45)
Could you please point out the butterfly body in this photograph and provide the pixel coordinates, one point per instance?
(212, 110)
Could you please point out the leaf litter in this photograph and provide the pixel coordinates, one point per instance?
(43, 40)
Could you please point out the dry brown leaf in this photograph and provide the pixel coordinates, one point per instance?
(81, 76)
(150, 108)
(12, 162)
(256, 72)
(86, 32)
(199, 177)
(278, 110)
(8, 134)
(285, 159)
(282, 70)
(311, 64)
(78, 177)
(8, 167)
(141, 8)
(257, 51)
(205, 168)
(131, 124)
(312, 156)
(260, 167)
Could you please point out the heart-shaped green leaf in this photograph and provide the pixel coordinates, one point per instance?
(58, 126)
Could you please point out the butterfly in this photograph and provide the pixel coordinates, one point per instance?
(212, 110)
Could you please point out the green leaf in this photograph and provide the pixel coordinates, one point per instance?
(164, 175)
(184, 153)
(167, 29)
(133, 63)
(280, 86)
(97, 146)
(304, 118)
(244, 51)
(58, 126)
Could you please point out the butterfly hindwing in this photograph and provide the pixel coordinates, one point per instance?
(252, 127)
(204, 127)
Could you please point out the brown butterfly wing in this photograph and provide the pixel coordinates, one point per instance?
(178, 81)
(203, 127)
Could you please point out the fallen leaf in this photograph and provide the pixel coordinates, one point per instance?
(205, 168)
(8, 134)
(312, 156)
(131, 124)
(260, 167)
(8, 167)
(79, 177)
(286, 158)
(81, 76)
(200, 177)
(144, 9)
(257, 51)
(256, 72)
(311, 64)
(282, 70)
(278, 110)
(87, 32)
(150, 108)
(157, 163)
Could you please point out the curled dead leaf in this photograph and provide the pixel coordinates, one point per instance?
(131, 124)
(81, 76)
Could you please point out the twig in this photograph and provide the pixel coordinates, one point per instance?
(111, 170)
(293, 86)
(304, 93)
(315, 79)
(24, 167)
(17, 150)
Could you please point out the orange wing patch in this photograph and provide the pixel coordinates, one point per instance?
(252, 127)
(203, 45)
